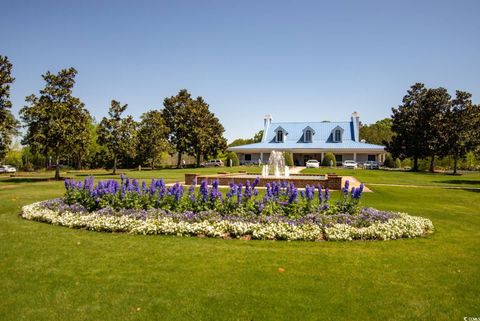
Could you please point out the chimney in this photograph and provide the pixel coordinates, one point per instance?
(267, 120)
(356, 126)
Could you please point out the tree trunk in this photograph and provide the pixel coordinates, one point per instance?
(455, 163)
(179, 160)
(115, 165)
(415, 164)
(198, 159)
(432, 164)
(57, 168)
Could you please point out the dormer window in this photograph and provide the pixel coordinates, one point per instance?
(337, 134)
(280, 136)
(308, 133)
(308, 136)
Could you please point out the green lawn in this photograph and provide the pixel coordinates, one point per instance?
(54, 273)
(471, 179)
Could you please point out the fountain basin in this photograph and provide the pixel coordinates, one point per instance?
(331, 181)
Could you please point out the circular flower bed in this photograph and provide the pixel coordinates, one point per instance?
(283, 213)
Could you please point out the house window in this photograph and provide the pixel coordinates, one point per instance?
(371, 158)
(338, 135)
(248, 157)
(338, 158)
(280, 136)
(308, 136)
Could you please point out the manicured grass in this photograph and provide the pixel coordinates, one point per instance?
(471, 179)
(54, 273)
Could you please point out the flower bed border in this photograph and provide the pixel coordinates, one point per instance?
(403, 226)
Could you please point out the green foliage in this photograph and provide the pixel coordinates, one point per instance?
(8, 123)
(206, 131)
(329, 159)
(461, 127)
(152, 138)
(194, 129)
(288, 159)
(257, 138)
(379, 133)
(389, 162)
(118, 134)
(57, 123)
(14, 157)
(398, 163)
(431, 124)
(233, 157)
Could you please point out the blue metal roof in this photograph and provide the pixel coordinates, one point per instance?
(314, 145)
(322, 130)
(322, 137)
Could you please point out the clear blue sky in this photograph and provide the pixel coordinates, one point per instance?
(297, 60)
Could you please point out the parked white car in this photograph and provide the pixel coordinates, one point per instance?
(351, 164)
(7, 169)
(212, 163)
(312, 163)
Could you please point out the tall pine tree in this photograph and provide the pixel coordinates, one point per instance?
(8, 123)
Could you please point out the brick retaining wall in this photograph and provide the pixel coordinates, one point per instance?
(332, 182)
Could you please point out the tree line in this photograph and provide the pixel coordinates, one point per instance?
(58, 126)
(429, 124)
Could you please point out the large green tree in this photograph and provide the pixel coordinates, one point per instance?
(418, 123)
(118, 134)
(8, 123)
(378, 133)
(461, 127)
(206, 132)
(57, 122)
(152, 137)
(193, 128)
(178, 120)
(408, 139)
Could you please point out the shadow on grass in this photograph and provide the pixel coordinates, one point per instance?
(26, 179)
(462, 182)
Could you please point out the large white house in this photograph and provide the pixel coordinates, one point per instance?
(311, 140)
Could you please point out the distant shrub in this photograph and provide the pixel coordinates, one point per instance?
(398, 163)
(233, 157)
(389, 162)
(288, 159)
(328, 159)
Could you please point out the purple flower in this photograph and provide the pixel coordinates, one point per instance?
(320, 195)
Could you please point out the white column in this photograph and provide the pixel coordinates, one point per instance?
(355, 156)
(323, 154)
(261, 158)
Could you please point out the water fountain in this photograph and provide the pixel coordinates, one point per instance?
(276, 164)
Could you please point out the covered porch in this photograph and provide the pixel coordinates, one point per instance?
(301, 157)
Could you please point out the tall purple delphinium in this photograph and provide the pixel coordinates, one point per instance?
(293, 195)
(239, 192)
(346, 187)
(204, 191)
(310, 192)
(215, 193)
(320, 195)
